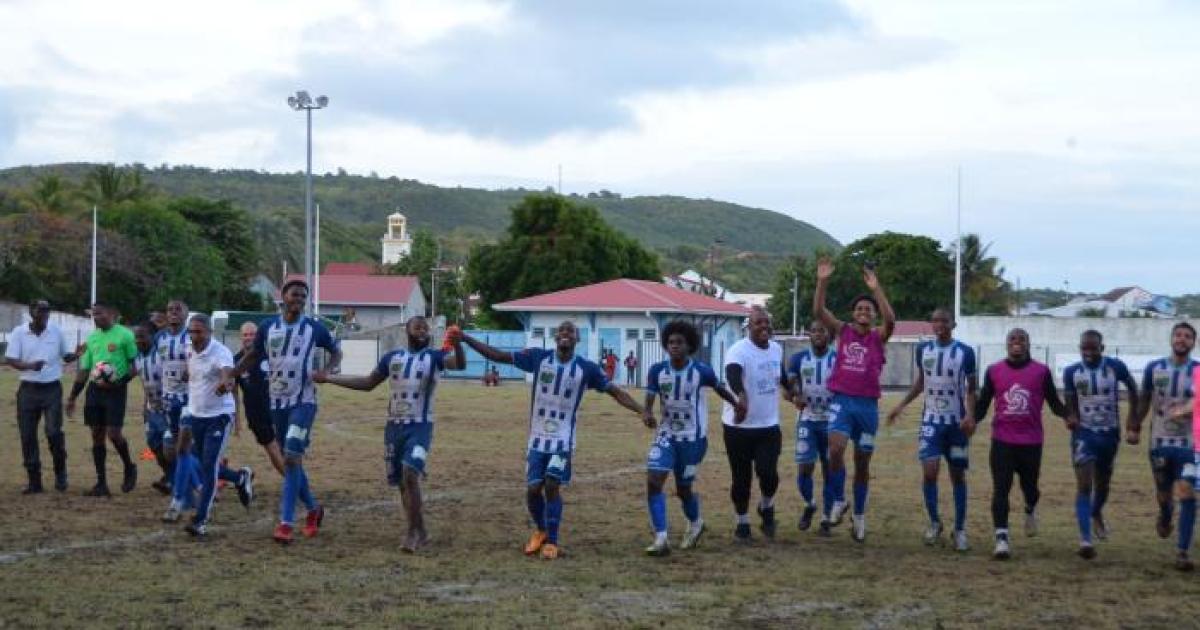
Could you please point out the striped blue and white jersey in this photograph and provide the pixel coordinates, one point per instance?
(557, 390)
(172, 358)
(813, 373)
(1170, 386)
(946, 369)
(289, 349)
(684, 401)
(412, 378)
(149, 369)
(1096, 390)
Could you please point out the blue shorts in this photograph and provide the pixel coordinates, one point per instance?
(174, 411)
(1170, 464)
(944, 440)
(293, 427)
(1095, 447)
(406, 445)
(681, 457)
(856, 417)
(539, 466)
(812, 441)
(156, 428)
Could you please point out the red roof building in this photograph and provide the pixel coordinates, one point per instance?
(625, 295)
(374, 301)
(349, 269)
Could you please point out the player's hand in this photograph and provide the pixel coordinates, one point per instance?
(894, 414)
(824, 268)
(37, 366)
(1132, 437)
(968, 426)
(1072, 421)
(798, 403)
(224, 388)
(870, 278)
(454, 334)
(648, 419)
(740, 410)
(70, 408)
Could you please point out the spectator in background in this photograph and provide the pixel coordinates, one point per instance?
(631, 364)
(610, 364)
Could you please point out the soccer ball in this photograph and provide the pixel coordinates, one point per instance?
(103, 371)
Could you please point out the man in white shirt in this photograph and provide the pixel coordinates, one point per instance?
(38, 350)
(207, 422)
(755, 372)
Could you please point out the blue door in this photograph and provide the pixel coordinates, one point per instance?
(583, 349)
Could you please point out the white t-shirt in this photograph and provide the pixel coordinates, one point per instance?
(204, 374)
(761, 371)
(50, 346)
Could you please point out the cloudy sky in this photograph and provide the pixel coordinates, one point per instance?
(1076, 123)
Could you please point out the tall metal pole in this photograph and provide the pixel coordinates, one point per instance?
(95, 216)
(958, 253)
(308, 211)
(317, 262)
(795, 299)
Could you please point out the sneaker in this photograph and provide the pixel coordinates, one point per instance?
(34, 487)
(536, 540)
(859, 530)
(768, 521)
(1001, 552)
(691, 538)
(162, 486)
(837, 512)
(1163, 526)
(1183, 562)
(98, 490)
(245, 487)
(741, 533)
(1086, 551)
(173, 513)
(659, 547)
(550, 551)
(283, 534)
(806, 517)
(60, 482)
(1031, 523)
(130, 480)
(197, 530)
(1099, 527)
(312, 522)
(825, 530)
(933, 534)
(960, 541)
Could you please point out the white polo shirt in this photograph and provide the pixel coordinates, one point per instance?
(50, 346)
(204, 374)
(762, 369)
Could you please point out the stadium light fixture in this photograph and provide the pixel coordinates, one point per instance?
(302, 101)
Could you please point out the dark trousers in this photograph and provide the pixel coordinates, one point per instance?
(1023, 460)
(752, 452)
(35, 401)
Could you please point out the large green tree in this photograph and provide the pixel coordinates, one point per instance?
(553, 243)
(50, 194)
(230, 231)
(984, 289)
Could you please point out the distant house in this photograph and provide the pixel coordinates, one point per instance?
(371, 300)
(624, 316)
(691, 280)
(1120, 302)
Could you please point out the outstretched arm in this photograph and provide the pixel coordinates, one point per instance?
(360, 383)
(648, 410)
(820, 312)
(914, 391)
(488, 352)
(885, 307)
(625, 400)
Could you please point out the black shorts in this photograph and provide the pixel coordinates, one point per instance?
(105, 407)
(263, 428)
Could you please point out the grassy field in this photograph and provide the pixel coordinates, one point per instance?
(72, 561)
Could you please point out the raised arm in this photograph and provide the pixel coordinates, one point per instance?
(820, 312)
(885, 307)
(488, 352)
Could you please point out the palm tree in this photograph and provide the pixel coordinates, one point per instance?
(107, 185)
(984, 288)
(49, 194)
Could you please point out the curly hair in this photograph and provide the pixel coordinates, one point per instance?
(691, 336)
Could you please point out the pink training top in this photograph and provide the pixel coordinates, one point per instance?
(859, 363)
(1196, 410)
(1020, 393)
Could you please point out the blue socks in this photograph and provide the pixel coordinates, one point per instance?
(805, 483)
(691, 508)
(554, 510)
(827, 494)
(860, 498)
(1187, 522)
(658, 512)
(960, 506)
(537, 509)
(837, 483)
(305, 494)
(293, 478)
(1083, 515)
(930, 490)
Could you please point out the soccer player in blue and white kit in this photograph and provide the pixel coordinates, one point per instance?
(171, 344)
(412, 375)
(682, 438)
(808, 370)
(559, 381)
(289, 342)
(153, 415)
(947, 374)
(1091, 389)
(1167, 391)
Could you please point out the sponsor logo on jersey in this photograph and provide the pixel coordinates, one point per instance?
(1016, 400)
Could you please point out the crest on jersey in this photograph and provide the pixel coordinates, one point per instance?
(1016, 400)
(162, 351)
(667, 387)
(1162, 379)
(395, 367)
(276, 342)
(1083, 385)
(856, 353)
(807, 372)
(929, 362)
(546, 378)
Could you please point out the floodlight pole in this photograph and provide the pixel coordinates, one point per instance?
(95, 217)
(302, 101)
(958, 242)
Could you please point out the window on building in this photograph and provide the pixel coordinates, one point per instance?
(538, 332)
(631, 334)
(649, 334)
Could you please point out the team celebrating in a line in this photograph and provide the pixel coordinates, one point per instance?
(196, 388)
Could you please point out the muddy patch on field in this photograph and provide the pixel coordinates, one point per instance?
(460, 592)
(629, 606)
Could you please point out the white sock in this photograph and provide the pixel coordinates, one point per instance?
(766, 503)
(743, 519)
(1002, 532)
(660, 537)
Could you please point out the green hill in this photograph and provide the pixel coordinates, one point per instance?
(754, 241)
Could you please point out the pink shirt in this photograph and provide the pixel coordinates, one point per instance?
(1020, 394)
(1196, 410)
(859, 363)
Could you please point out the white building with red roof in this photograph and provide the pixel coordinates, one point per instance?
(373, 300)
(624, 316)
